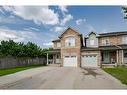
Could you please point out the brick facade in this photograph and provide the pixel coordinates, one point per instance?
(71, 50)
(115, 40)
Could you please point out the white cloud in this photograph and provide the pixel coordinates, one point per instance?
(63, 9)
(1, 11)
(40, 15)
(48, 44)
(31, 29)
(9, 19)
(80, 21)
(58, 29)
(90, 28)
(66, 19)
(40, 38)
(17, 36)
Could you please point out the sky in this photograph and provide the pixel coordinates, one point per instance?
(42, 24)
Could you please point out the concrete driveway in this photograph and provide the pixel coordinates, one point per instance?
(60, 78)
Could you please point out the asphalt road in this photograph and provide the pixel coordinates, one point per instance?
(60, 78)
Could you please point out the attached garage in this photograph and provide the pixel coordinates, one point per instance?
(89, 61)
(70, 61)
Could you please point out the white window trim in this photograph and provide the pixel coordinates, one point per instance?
(92, 42)
(104, 41)
(124, 39)
(70, 42)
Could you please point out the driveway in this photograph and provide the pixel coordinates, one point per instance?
(60, 78)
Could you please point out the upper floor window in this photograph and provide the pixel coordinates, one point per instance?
(124, 39)
(69, 41)
(105, 41)
(92, 42)
(58, 44)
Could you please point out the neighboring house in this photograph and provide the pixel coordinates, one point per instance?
(95, 50)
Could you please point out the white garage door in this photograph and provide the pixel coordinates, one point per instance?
(70, 61)
(89, 61)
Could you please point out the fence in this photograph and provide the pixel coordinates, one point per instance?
(10, 62)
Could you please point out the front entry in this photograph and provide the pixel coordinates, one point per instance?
(89, 61)
(70, 61)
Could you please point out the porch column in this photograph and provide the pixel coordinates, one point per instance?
(47, 59)
(53, 59)
(117, 57)
(122, 56)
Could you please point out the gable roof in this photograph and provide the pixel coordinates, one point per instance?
(57, 40)
(69, 28)
(92, 32)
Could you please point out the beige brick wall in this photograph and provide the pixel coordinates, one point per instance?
(114, 40)
(71, 50)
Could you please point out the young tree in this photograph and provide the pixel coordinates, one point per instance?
(124, 9)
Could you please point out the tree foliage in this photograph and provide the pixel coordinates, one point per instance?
(11, 48)
(124, 8)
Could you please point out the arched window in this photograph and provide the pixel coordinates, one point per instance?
(70, 41)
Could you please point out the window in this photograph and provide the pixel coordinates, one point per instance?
(73, 56)
(66, 56)
(125, 55)
(92, 42)
(124, 40)
(58, 44)
(105, 41)
(69, 41)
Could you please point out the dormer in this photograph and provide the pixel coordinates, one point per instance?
(91, 40)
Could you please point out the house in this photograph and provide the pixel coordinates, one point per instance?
(95, 50)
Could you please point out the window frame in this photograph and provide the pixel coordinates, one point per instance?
(70, 41)
(105, 41)
(124, 39)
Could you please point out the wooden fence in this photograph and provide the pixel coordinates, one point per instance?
(10, 62)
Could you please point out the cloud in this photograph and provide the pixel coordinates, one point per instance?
(40, 38)
(66, 18)
(90, 28)
(38, 14)
(63, 9)
(80, 21)
(9, 19)
(17, 36)
(48, 44)
(58, 29)
(31, 29)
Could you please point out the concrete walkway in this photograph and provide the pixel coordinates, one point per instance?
(60, 78)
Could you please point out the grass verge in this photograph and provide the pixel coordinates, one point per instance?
(16, 69)
(118, 72)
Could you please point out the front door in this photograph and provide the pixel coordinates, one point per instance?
(113, 57)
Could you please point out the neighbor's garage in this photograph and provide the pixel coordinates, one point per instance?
(89, 61)
(70, 61)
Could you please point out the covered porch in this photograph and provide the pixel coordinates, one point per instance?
(56, 56)
(111, 56)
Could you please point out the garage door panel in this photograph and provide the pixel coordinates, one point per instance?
(89, 60)
(70, 61)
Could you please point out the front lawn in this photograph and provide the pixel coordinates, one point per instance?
(16, 69)
(118, 72)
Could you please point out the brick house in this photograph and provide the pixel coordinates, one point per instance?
(95, 50)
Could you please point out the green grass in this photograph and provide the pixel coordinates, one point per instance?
(16, 69)
(119, 72)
